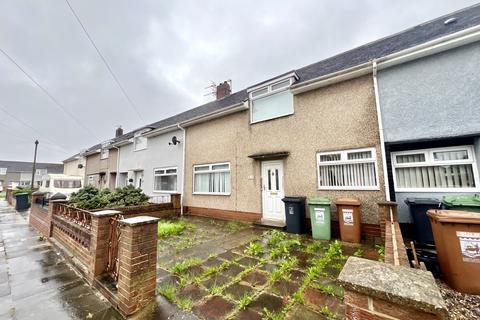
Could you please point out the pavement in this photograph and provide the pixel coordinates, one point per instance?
(36, 282)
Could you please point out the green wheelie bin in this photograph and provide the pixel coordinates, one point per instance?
(462, 203)
(320, 216)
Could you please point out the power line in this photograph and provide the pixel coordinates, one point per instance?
(29, 126)
(65, 110)
(130, 101)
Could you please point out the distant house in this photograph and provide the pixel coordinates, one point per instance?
(75, 165)
(19, 173)
(151, 158)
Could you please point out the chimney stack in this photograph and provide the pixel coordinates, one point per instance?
(224, 89)
(118, 132)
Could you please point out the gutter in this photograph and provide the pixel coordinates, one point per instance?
(438, 45)
(183, 167)
(380, 131)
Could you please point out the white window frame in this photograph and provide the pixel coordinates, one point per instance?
(344, 160)
(212, 171)
(104, 153)
(290, 77)
(429, 161)
(41, 172)
(135, 142)
(3, 171)
(163, 175)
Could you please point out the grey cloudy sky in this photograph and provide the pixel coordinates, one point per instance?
(164, 53)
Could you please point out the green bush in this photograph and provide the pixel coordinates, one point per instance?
(90, 197)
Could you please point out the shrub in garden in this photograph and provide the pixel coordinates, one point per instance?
(90, 197)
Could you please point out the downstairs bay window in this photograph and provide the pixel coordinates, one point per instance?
(435, 170)
(347, 170)
(211, 179)
(165, 180)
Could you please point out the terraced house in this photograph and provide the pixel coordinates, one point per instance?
(369, 123)
(429, 104)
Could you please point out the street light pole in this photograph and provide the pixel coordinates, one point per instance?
(34, 163)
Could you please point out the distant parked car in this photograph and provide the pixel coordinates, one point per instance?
(60, 183)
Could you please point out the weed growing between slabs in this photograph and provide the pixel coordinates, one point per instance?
(272, 276)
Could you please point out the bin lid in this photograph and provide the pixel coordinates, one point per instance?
(347, 201)
(319, 200)
(462, 201)
(454, 216)
(293, 199)
(427, 201)
(21, 194)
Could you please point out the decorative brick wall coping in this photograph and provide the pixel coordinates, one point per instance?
(137, 221)
(401, 287)
(105, 213)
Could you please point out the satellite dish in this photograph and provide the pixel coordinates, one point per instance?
(174, 141)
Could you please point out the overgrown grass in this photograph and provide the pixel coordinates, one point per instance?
(169, 291)
(181, 268)
(381, 252)
(234, 226)
(254, 249)
(270, 315)
(245, 300)
(168, 228)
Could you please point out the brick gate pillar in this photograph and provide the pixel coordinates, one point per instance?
(138, 263)
(99, 242)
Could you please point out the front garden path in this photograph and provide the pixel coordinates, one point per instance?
(215, 269)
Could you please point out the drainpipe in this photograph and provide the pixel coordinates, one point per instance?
(118, 166)
(380, 131)
(183, 167)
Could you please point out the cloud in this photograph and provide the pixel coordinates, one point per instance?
(165, 53)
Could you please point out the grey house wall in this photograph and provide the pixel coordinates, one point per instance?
(436, 96)
(159, 154)
(430, 98)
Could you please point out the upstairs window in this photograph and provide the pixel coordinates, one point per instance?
(41, 172)
(212, 179)
(271, 101)
(3, 171)
(139, 143)
(348, 170)
(104, 154)
(165, 180)
(442, 169)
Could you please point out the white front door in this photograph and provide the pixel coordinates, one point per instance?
(139, 179)
(272, 190)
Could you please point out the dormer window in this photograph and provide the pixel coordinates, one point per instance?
(272, 99)
(139, 142)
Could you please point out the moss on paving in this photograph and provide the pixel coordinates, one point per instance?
(288, 277)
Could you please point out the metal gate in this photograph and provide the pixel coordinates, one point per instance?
(113, 266)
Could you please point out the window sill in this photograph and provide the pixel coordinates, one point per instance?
(164, 191)
(349, 188)
(437, 190)
(140, 149)
(269, 119)
(211, 194)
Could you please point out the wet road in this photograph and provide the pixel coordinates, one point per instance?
(36, 282)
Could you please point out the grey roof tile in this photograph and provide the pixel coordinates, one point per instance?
(21, 166)
(465, 18)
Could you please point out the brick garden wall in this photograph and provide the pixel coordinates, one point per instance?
(86, 244)
(365, 300)
(39, 219)
(75, 251)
